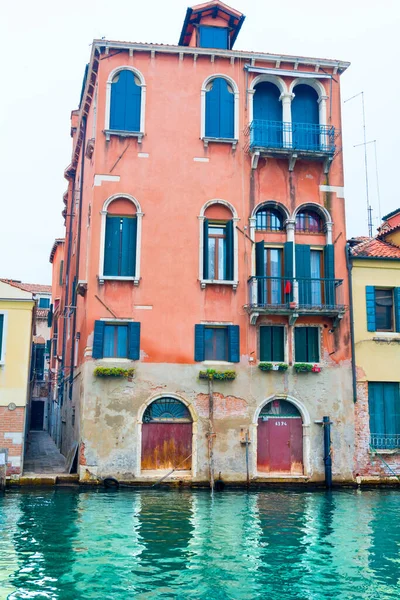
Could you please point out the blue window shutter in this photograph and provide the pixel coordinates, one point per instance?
(267, 107)
(134, 340)
(278, 352)
(205, 250)
(97, 350)
(305, 110)
(261, 271)
(126, 97)
(213, 37)
(303, 270)
(128, 247)
(199, 350)
(1, 333)
(370, 302)
(227, 111)
(112, 246)
(313, 343)
(266, 343)
(392, 409)
(234, 343)
(133, 103)
(229, 255)
(397, 307)
(300, 344)
(329, 274)
(376, 409)
(213, 110)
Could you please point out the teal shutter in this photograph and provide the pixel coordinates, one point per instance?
(98, 335)
(303, 273)
(229, 254)
(261, 271)
(227, 111)
(199, 350)
(397, 308)
(376, 411)
(50, 316)
(134, 340)
(112, 246)
(313, 343)
(233, 343)
(220, 110)
(329, 274)
(391, 402)
(265, 343)
(370, 302)
(205, 250)
(1, 334)
(128, 247)
(300, 344)
(213, 110)
(125, 105)
(278, 354)
(288, 269)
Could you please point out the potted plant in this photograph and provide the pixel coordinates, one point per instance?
(113, 372)
(267, 366)
(306, 368)
(217, 375)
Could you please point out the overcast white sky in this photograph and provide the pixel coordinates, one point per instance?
(47, 44)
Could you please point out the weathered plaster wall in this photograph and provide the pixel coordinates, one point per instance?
(110, 417)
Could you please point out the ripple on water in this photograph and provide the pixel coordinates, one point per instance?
(183, 544)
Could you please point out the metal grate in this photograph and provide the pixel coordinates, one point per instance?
(380, 441)
(166, 409)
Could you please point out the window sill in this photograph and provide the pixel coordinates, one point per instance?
(103, 278)
(204, 282)
(218, 363)
(207, 140)
(137, 134)
(384, 451)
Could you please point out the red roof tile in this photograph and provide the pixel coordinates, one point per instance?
(34, 288)
(374, 247)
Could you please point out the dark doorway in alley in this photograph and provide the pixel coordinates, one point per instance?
(166, 435)
(37, 413)
(280, 439)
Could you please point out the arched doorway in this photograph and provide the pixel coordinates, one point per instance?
(267, 115)
(167, 435)
(280, 439)
(305, 118)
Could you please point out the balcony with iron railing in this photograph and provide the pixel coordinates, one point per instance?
(291, 140)
(384, 441)
(295, 296)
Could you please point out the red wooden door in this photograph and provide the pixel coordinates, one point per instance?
(166, 446)
(280, 445)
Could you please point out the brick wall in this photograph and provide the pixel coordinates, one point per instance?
(11, 437)
(366, 464)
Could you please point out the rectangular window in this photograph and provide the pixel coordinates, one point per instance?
(44, 302)
(306, 344)
(316, 275)
(120, 247)
(384, 309)
(216, 343)
(61, 273)
(272, 343)
(217, 251)
(39, 361)
(115, 341)
(384, 414)
(213, 37)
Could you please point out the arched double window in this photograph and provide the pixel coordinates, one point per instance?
(269, 219)
(220, 109)
(309, 221)
(120, 238)
(125, 101)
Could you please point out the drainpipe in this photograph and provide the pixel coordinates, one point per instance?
(353, 350)
(326, 422)
(78, 252)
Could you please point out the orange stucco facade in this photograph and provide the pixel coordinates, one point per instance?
(172, 174)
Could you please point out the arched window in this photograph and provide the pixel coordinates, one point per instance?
(309, 221)
(267, 116)
(269, 219)
(305, 118)
(126, 99)
(167, 435)
(220, 109)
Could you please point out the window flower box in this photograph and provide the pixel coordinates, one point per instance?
(267, 366)
(113, 372)
(306, 368)
(217, 375)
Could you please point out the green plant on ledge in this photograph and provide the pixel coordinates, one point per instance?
(267, 366)
(217, 375)
(113, 372)
(306, 368)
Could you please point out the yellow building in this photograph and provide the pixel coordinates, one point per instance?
(16, 311)
(375, 273)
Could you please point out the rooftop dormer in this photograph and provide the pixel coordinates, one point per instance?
(211, 25)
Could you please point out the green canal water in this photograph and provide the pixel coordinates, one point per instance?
(185, 544)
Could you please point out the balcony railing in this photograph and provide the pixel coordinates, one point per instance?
(383, 441)
(292, 137)
(307, 294)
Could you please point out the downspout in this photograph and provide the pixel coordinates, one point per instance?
(78, 253)
(353, 349)
(69, 215)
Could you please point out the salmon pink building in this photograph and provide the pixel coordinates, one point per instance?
(201, 319)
